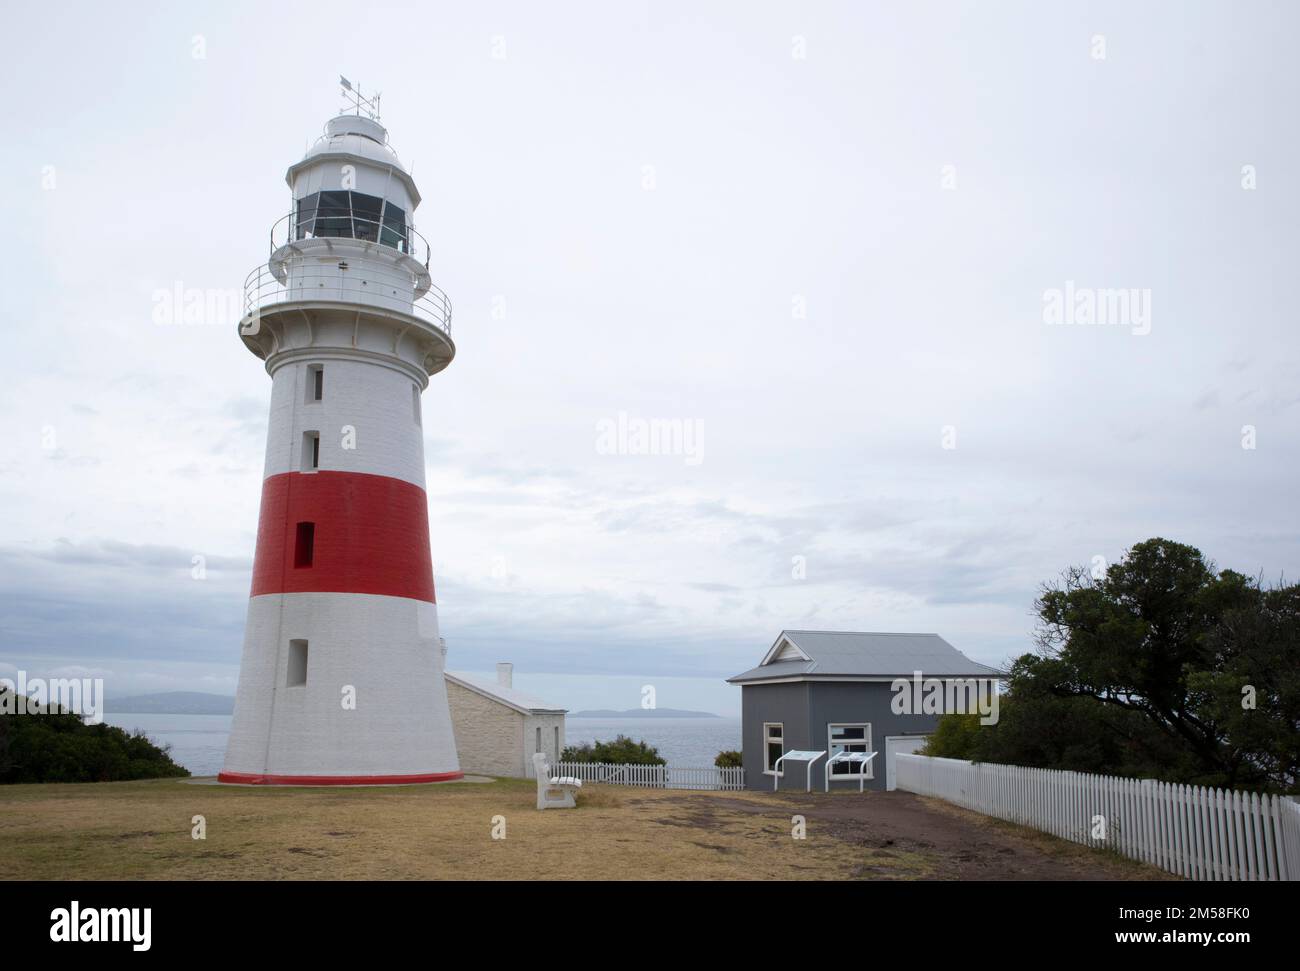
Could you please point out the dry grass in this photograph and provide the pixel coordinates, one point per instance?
(142, 830)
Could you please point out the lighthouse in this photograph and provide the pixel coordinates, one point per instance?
(341, 677)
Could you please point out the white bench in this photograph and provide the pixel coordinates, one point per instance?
(553, 792)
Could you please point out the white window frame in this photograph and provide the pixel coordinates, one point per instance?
(311, 451)
(299, 650)
(869, 765)
(767, 740)
(312, 371)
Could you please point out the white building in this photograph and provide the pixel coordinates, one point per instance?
(340, 682)
(498, 727)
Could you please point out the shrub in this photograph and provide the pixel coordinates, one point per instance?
(60, 747)
(621, 751)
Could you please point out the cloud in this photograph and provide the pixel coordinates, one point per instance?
(136, 446)
(109, 599)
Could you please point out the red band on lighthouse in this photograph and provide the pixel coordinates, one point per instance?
(370, 535)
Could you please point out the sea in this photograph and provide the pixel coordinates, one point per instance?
(198, 742)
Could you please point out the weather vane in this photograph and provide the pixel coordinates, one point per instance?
(355, 99)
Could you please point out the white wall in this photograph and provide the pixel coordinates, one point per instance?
(385, 647)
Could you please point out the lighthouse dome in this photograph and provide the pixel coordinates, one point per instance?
(355, 135)
(357, 141)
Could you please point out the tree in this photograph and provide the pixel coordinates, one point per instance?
(1253, 694)
(1039, 729)
(727, 759)
(1163, 667)
(956, 735)
(621, 751)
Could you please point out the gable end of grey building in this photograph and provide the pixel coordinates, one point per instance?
(832, 691)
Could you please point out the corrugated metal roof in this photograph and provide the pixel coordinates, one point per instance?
(867, 654)
(519, 700)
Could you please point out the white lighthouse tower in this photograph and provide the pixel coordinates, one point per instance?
(341, 680)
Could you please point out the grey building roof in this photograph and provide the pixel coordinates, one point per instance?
(520, 701)
(828, 655)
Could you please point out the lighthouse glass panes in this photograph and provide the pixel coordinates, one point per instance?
(344, 214)
(366, 211)
(394, 233)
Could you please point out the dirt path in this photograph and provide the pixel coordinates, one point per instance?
(896, 835)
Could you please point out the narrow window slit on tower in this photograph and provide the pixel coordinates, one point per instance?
(415, 402)
(316, 385)
(297, 674)
(310, 451)
(304, 545)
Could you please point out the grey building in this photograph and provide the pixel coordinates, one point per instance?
(834, 691)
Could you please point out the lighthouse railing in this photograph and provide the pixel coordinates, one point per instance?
(369, 285)
(292, 228)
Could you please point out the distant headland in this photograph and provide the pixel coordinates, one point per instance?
(642, 713)
(172, 703)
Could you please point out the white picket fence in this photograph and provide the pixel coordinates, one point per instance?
(1195, 832)
(654, 776)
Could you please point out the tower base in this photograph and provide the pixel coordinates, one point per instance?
(250, 779)
(367, 703)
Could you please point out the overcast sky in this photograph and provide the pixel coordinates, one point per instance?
(822, 237)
